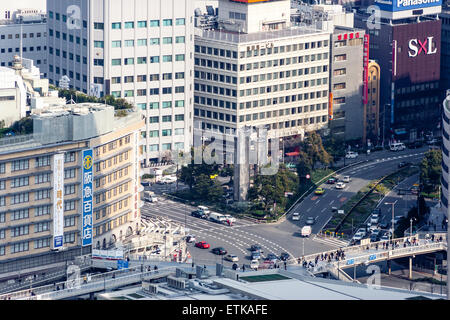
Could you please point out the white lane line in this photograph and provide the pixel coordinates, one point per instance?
(309, 209)
(323, 209)
(317, 201)
(331, 201)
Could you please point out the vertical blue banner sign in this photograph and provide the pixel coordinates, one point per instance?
(87, 205)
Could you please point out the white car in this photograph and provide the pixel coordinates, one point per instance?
(346, 179)
(231, 218)
(351, 155)
(373, 227)
(254, 264)
(190, 238)
(340, 185)
(358, 236)
(296, 216)
(232, 258)
(361, 231)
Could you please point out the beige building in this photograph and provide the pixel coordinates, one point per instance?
(372, 108)
(28, 179)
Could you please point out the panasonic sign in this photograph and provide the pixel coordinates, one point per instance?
(409, 3)
(402, 5)
(417, 47)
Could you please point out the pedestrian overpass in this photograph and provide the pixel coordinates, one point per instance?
(372, 253)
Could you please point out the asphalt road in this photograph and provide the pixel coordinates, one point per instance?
(319, 206)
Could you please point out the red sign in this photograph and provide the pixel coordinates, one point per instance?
(366, 69)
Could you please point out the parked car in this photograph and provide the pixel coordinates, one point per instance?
(383, 225)
(415, 145)
(340, 185)
(230, 218)
(219, 250)
(374, 220)
(296, 216)
(319, 191)
(374, 238)
(376, 232)
(351, 155)
(199, 214)
(361, 231)
(202, 245)
(358, 236)
(310, 221)
(232, 258)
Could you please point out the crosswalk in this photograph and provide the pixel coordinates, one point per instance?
(331, 241)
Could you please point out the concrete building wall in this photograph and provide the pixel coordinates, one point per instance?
(445, 50)
(149, 64)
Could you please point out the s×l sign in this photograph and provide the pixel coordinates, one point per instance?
(426, 46)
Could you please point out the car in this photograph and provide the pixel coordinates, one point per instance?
(254, 264)
(310, 221)
(414, 190)
(374, 238)
(232, 258)
(230, 218)
(351, 155)
(397, 219)
(376, 211)
(432, 141)
(361, 231)
(334, 209)
(415, 145)
(199, 214)
(256, 247)
(376, 232)
(346, 179)
(383, 225)
(256, 255)
(190, 238)
(272, 258)
(374, 220)
(375, 216)
(332, 181)
(385, 236)
(284, 256)
(202, 245)
(404, 164)
(319, 191)
(219, 251)
(357, 237)
(340, 185)
(296, 216)
(373, 227)
(145, 183)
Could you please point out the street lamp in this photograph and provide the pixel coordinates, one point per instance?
(410, 226)
(393, 222)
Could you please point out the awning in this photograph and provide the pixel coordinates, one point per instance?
(293, 154)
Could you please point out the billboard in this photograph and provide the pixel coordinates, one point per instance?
(366, 69)
(58, 201)
(401, 5)
(87, 194)
(418, 50)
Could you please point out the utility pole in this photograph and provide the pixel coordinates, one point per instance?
(393, 222)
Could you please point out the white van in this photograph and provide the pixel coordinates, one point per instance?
(204, 209)
(399, 146)
(306, 231)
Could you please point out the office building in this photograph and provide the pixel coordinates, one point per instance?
(445, 48)
(372, 107)
(255, 69)
(24, 32)
(407, 45)
(54, 192)
(138, 50)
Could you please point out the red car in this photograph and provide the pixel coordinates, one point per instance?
(202, 244)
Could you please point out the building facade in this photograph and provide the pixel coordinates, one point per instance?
(407, 46)
(445, 49)
(140, 51)
(42, 199)
(372, 107)
(25, 34)
(346, 83)
(258, 71)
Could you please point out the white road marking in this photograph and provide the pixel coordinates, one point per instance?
(323, 209)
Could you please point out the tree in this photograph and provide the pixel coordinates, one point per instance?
(313, 147)
(430, 170)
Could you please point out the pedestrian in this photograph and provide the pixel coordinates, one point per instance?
(376, 246)
(57, 288)
(285, 265)
(432, 238)
(192, 264)
(243, 268)
(321, 257)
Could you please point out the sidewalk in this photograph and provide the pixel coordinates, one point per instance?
(435, 219)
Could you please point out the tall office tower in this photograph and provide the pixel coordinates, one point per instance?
(138, 50)
(255, 69)
(24, 32)
(406, 43)
(445, 194)
(372, 105)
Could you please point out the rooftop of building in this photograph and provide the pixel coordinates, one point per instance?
(25, 16)
(236, 37)
(272, 284)
(69, 123)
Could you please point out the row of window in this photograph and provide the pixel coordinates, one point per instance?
(24, 35)
(112, 145)
(112, 177)
(38, 244)
(144, 60)
(141, 42)
(103, 165)
(111, 208)
(106, 195)
(151, 77)
(144, 92)
(25, 213)
(168, 118)
(164, 147)
(108, 225)
(284, 87)
(24, 164)
(164, 105)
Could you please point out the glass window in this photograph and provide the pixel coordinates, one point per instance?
(116, 25)
(142, 24)
(129, 25)
(167, 22)
(116, 44)
(180, 22)
(154, 23)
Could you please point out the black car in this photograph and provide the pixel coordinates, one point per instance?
(271, 257)
(384, 225)
(404, 164)
(198, 214)
(284, 256)
(332, 181)
(415, 145)
(376, 211)
(220, 251)
(145, 183)
(256, 255)
(256, 247)
(374, 238)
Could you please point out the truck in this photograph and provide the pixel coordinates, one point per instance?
(306, 231)
(150, 196)
(217, 217)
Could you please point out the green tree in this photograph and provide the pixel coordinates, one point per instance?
(313, 147)
(430, 170)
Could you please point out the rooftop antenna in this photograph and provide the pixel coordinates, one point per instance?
(21, 40)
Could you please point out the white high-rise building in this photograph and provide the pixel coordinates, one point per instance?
(138, 50)
(256, 70)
